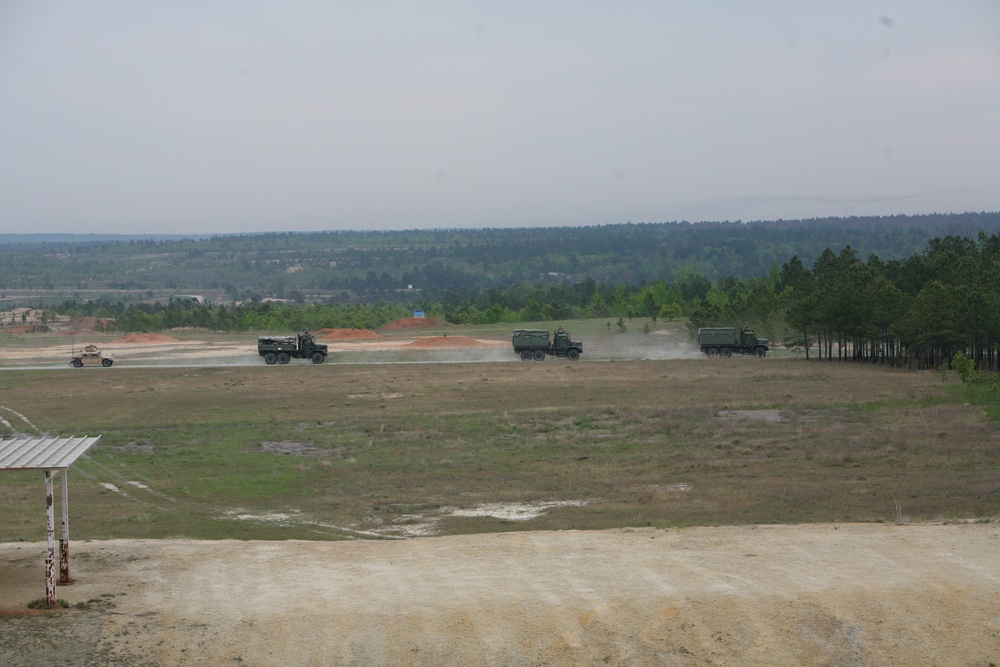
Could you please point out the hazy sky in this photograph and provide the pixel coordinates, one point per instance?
(192, 116)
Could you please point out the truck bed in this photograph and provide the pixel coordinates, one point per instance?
(717, 336)
(531, 338)
(276, 340)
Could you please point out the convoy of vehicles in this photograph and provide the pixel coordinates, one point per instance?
(529, 344)
(90, 356)
(726, 341)
(281, 349)
(536, 344)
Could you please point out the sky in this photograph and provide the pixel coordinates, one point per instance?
(202, 117)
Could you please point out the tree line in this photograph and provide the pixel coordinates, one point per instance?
(920, 311)
(362, 267)
(917, 312)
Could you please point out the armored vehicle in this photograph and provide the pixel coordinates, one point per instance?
(536, 344)
(726, 341)
(90, 356)
(281, 349)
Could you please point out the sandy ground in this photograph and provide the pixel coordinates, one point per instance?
(769, 595)
(22, 349)
(163, 349)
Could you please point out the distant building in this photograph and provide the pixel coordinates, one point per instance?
(418, 313)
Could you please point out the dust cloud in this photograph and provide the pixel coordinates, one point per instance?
(653, 346)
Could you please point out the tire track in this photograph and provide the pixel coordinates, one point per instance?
(114, 480)
(19, 416)
(136, 481)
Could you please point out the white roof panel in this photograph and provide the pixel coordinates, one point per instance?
(24, 453)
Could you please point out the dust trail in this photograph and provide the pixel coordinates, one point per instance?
(188, 362)
(473, 355)
(647, 347)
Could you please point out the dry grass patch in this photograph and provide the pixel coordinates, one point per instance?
(599, 444)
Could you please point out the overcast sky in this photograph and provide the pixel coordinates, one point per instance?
(243, 116)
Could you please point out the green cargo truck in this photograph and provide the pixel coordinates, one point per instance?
(726, 341)
(536, 344)
(281, 349)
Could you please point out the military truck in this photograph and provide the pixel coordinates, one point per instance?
(726, 341)
(281, 349)
(536, 344)
(90, 356)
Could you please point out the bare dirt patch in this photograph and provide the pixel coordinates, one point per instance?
(286, 447)
(433, 342)
(347, 334)
(751, 415)
(825, 594)
(415, 323)
(145, 339)
(160, 348)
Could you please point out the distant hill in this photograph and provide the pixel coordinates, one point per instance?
(348, 266)
(42, 239)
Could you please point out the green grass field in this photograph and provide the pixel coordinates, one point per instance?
(386, 450)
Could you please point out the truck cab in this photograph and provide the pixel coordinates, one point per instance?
(562, 346)
(750, 344)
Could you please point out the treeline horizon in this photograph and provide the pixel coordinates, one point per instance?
(353, 267)
(918, 312)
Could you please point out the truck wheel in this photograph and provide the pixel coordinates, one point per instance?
(760, 352)
(270, 358)
(318, 357)
(106, 362)
(726, 352)
(712, 352)
(283, 357)
(539, 355)
(525, 355)
(573, 355)
(78, 363)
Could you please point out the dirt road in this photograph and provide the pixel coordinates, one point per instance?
(770, 595)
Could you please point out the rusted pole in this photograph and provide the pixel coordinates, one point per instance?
(50, 529)
(64, 542)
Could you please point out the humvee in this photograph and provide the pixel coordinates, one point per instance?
(90, 356)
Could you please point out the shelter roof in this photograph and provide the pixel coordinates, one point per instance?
(30, 453)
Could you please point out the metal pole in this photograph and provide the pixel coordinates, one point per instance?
(64, 542)
(50, 529)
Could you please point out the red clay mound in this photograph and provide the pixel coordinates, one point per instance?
(347, 334)
(21, 328)
(447, 341)
(415, 323)
(146, 339)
